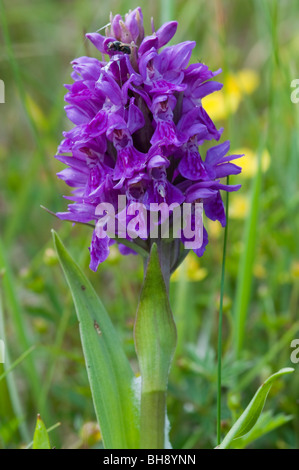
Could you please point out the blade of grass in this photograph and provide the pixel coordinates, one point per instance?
(59, 336)
(18, 318)
(284, 341)
(219, 360)
(23, 198)
(245, 272)
(167, 11)
(17, 362)
(10, 381)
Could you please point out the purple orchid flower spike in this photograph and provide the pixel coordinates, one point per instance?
(139, 127)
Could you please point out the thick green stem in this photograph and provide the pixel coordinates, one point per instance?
(155, 342)
(152, 420)
(164, 250)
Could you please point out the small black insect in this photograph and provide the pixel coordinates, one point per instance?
(118, 46)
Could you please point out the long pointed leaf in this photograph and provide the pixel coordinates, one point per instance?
(109, 371)
(251, 414)
(40, 438)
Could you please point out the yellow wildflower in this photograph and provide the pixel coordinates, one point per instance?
(221, 104)
(214, 228)
(238, 206)
(191, 269)
(249, 162)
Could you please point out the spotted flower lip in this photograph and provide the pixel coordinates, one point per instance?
(139, 126)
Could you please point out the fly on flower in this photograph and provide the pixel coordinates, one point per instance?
(118, 46)
(139, 130)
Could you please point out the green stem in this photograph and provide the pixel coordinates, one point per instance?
(164, 251)
(152, 419)
(155, 342)
(220, 326)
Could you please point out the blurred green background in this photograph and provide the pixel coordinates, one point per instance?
(256, 45)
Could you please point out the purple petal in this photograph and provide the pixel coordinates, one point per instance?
(115, 26)
(148, 43)
(227, 169)
(206, 89)
(189, 124)
(174, 195)
(76, 115)
(191, 166)
(134, 22)
(72, 177)
(205, 119)
(89, 68)
(229, 158)
(97, 40)
(226, 187)
(166, 32)
(73, 162)
(214, 154)
(98, 125)
(99, 251)
(197, 191)
(128, 161)
(110, 88)
(200, 251)
(165, 133)
(158, 161)
(83, 213)
(135, 117)
(179, 55)
(125, 250)
(214, 209)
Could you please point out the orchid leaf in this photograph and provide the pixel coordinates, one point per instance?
(265, 424)
(253, 411)
(40, 438)
(109, 371)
